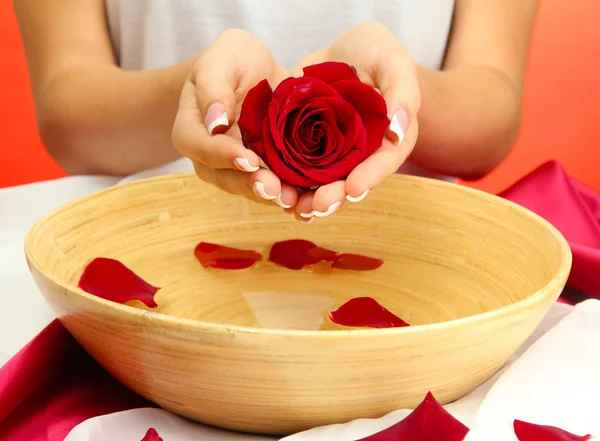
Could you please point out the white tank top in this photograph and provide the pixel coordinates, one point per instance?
(148, 34)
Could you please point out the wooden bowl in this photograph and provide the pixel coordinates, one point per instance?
(253, 350)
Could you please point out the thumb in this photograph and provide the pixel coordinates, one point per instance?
(215, 79)
(397, 79)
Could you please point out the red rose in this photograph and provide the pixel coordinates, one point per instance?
(315, 129)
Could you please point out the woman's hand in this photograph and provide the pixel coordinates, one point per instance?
(205, 128)
(382, 62)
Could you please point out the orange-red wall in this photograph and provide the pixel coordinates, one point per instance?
(22, 156)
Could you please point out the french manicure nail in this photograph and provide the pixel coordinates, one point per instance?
(332, 209)
(216, 116)
(357, 198)
(244, 165)
(279, 202)
(307, 221)
(259, 190)
(399, 124)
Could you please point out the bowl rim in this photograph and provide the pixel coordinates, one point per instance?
(154, 317)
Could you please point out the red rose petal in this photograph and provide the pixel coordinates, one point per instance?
(273, 159)
(365, 312)
(295, 254)
(371, 107)
(152, 435)
(318, 254)
(428, 422)
(222, 257)
(255, 110)
(533, 432)
(331, 71)
(111, 280)
(356, 262)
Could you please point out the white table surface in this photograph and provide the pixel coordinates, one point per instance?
(23, 312)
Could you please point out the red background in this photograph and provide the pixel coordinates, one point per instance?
(561, 101)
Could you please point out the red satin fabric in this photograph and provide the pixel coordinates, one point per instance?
(52, 385)
(574, 210)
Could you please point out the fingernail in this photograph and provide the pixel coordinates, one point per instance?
(259, 190)
(279, 202)
(244, 165)
(216, 116)
(332, 208)
(307, 221)
(399, 124)
(357, 198)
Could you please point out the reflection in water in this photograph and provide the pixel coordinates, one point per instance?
(276, 310)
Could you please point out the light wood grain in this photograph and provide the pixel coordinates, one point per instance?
(253, 350)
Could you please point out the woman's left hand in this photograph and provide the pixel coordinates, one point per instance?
(382, 62)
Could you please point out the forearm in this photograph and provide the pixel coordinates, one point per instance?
(468, 121)
(104, 120)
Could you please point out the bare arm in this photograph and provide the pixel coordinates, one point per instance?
(93, 116)
(471, 110)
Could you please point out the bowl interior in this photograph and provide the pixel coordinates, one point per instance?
(448, 252)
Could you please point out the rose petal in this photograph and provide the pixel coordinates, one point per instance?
(299, 133)
(292, 94)
(371, 107)
(295, 254)
(428, 422)
(320, 114)
(533, 432)
(287, 173)
(344, 150)
(152, 435)
(255, 109)
(356, 262)
(111, 280)
(331, 71)
(365, 312)
(222, 257)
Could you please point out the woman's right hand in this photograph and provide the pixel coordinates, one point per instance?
(206, 129)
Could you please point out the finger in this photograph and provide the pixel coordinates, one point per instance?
(395, 75)
(218, 72)
(381, 164)
(192, 140)
(325, 201)
(261, 186)
(288, 196)
(303, 209)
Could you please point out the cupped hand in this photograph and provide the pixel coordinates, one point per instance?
(382, 62)
(205, 128)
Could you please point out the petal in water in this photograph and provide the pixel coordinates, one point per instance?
(152, 435)
(356, 262)
(295, 254)
(222, 257)
(365, 312)
(428, 422)
(533, 432)
(111, 280)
